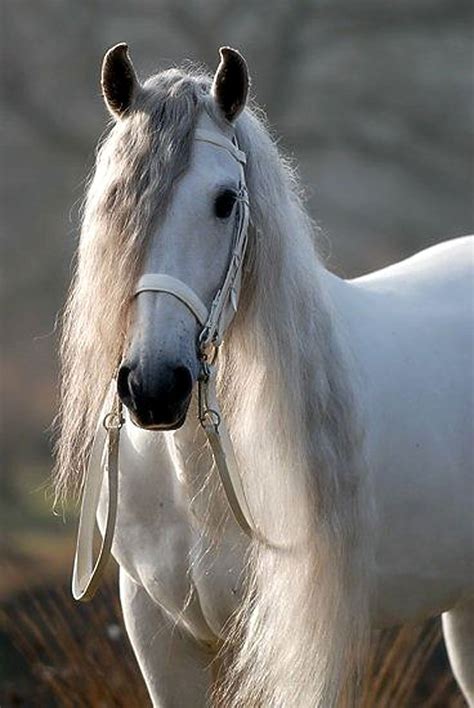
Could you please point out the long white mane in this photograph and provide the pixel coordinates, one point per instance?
(287, 397)
(293, 419)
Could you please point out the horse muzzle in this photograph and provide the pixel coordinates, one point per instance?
(156, 400)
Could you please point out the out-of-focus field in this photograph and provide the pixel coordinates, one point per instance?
(66, 655)
(373, 100)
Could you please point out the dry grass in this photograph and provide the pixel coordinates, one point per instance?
(78, 656)
(408, 668)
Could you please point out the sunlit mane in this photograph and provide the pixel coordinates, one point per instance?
(137, 165)
(293, 418)
(287, 399)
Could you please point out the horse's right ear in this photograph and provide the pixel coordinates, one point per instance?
(118, 80)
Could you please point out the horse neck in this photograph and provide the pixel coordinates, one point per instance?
(285, 333)
(281, 379)
(283, 384)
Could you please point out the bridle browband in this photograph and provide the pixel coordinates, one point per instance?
(214, 322)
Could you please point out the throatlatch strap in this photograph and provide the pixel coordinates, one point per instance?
(162, 283)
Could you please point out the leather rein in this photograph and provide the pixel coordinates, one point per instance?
(87, 573)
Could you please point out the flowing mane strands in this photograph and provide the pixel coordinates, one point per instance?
(137, 165)
(293, 418)
(288, 403)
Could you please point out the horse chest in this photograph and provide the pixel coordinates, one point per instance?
(217, 576)
(197, 581)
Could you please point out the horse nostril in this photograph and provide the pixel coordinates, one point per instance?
(123, 384)
(159, 396)
(183, 382)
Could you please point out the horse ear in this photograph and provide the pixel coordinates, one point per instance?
(231, 83)
(118, 80)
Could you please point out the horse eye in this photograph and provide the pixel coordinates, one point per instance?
(224, 204)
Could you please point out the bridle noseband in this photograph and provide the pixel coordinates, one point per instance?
(214, 322)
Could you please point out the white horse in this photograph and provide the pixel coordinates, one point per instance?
(349, 405)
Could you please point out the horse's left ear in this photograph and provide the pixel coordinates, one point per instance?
(231, 83)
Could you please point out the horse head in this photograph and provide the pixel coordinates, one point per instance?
(190, 280)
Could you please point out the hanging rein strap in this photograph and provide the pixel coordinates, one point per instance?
(87, 574)
(218, 436)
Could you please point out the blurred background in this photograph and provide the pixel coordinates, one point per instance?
(373, 99)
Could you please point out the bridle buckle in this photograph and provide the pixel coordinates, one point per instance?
(113, 420)
(208, 416)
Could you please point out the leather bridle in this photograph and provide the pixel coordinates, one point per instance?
(214, 322)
